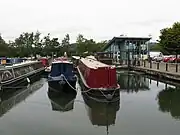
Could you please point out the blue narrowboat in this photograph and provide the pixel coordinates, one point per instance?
(62, 76)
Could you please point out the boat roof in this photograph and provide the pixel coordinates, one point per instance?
(91, 57)
(91, 63)
(18, 64)
(76, 57)
(63, 61)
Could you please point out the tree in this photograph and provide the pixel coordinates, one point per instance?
(4, 47)
(50, 46)
(88, 45)
(65, 41)
(65, 44)
(24, 44)
(170, 38)
(37, 44)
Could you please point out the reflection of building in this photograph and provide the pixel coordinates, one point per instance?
(62, 102)
(132, 82)
(168, 100)
(101, 114)
(9, 100)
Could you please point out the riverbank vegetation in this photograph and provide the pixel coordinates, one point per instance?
(31, 44)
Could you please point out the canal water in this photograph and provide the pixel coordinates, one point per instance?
(146, 107)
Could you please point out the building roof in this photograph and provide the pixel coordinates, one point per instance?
(126, 38)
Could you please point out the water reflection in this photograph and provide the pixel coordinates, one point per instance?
(132, 82)
(101, 114)
(12, 98)
(169, 101)
(63, 101)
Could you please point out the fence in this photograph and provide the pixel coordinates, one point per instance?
(161, 66)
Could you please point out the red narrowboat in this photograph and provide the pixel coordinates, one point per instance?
(98, 79)
(44, 61)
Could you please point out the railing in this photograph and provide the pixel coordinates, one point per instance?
(161, 66)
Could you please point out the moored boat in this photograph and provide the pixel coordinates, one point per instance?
(46, 63)
(13, 75)
(62, 77)
(97, 79)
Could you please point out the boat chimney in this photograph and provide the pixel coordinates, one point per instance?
(65, 54)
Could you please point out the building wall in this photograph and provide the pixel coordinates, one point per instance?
(122, 48)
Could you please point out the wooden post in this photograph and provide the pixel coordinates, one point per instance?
(166, 67)
(176, 63)
(165, 86)
(144, 63)
(157, 83)
(157, 65)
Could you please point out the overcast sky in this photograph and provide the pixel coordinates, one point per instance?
(97, 19)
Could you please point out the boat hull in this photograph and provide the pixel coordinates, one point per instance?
(62, 86)
(98, 94)
(16, 83)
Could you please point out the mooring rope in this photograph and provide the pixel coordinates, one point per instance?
(73, 87)
(108, 97)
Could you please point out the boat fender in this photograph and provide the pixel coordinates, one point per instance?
(28, 80)
(109, 97)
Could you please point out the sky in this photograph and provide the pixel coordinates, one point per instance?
(97, 19)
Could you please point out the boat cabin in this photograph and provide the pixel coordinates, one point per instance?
(62, 67)
(93, 71)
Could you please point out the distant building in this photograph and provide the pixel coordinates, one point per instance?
(128, 47)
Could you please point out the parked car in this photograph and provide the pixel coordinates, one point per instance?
(158, 58)
(153, 55)
(167, 58)
(173, 59)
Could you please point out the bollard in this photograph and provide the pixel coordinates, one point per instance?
(166, 67)
(144, 63)
(176, 67)
(157, 83)
(158, 65)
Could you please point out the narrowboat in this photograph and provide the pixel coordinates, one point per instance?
(62, 102)
(14, 75)
(97, 79)
(62, 76)
(46, 64)
(44, 61)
